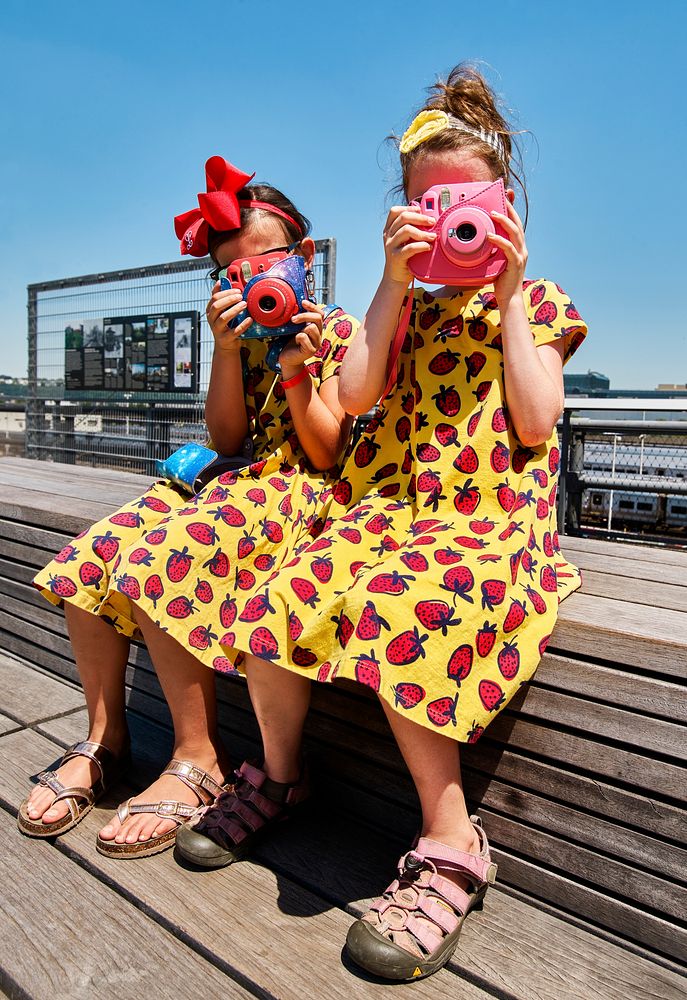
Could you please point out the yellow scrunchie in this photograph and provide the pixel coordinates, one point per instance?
(423, 127)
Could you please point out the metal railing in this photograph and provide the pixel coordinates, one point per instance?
(624, 477)
(119, 429)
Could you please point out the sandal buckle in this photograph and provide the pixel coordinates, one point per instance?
(167, 808)
(413, 865)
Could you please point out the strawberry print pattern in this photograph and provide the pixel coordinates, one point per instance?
(437, 575)
(189, 561)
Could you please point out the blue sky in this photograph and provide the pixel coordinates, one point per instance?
(108, 112)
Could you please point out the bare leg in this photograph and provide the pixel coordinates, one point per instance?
(101, 656)
(434, 764)
(189, 688)
(281, 700)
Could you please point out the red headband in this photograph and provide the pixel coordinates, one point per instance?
(220, 208)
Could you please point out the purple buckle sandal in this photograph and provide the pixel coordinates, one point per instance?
(223, 832)
(412, 930)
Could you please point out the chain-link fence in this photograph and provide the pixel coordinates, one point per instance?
(122, 428)
(625, 477)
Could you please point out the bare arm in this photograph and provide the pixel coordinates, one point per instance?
(225, 407)
(364, 368)
(533, 376)
(321, 423)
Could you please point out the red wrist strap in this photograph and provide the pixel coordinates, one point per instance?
(397, 343)
(290, 382)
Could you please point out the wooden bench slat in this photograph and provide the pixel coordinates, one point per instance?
(629, 568)
(660, 554)
(635, 591)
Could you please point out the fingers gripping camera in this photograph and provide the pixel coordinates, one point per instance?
(272, 297)
(462, 255)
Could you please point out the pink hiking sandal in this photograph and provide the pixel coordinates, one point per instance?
(413, 929)
(225, 831)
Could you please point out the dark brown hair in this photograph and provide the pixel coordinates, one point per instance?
(465, 94)
(294, 231)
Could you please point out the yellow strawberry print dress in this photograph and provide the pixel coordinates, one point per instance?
(183, 558)
(437, 574)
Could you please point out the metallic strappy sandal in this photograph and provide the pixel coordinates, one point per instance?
(201, 784)
(79, 799)
(413, 929)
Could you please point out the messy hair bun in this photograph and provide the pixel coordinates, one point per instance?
(466, 95)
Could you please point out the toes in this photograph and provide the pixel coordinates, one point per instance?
(110, 831)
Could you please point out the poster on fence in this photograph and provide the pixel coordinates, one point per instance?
(133, 353)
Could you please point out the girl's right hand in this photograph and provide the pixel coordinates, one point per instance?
(223, 307)
(405, 234)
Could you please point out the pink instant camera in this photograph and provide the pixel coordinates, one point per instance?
(461, 254)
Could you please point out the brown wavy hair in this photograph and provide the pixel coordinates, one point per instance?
(466, 94)
(271, 195)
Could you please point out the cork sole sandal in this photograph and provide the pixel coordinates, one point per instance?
(79, 799)
(202, 784)
(413, 929)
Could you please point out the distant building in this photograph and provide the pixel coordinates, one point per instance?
(671, 387)
(588, 384)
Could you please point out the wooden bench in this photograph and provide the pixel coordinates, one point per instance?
(581, 784)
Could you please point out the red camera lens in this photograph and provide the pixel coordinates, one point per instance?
(272, 301)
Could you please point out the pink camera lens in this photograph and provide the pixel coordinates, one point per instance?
(463, 236)
(272, 302)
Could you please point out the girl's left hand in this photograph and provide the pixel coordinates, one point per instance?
(306, 342)
(509, 282)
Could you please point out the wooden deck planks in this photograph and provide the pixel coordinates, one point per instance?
(211, 909)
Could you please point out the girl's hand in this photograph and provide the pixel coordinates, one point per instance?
(509, 282)
(405, 234)
(306, 342)
(222, 308)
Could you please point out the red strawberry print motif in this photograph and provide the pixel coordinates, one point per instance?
(154, 588)
(67, 554)
(505, 495)
(477, 329)
(447, 401)
(224, 665)
(126, 519)
(521, 456)
(444, 363)
(129, 586)
(351, 535)
(474, 364)
(499, 459)
(416, 562)
(295, 626)
(467, 460)
(106, 546)
(303, 657)
(554, 460)
(322, 567)
(447, 556)
(485, 639)
(499, 422)
(367, 671)
(460, 663)
(435, 615)
(264, 644)
(546, 314)
(491, 695)
(256, 608)
(446, 434)
(272, 530)
(467, 542)
(202, 533)
(548, 579)
(264, 562)
(509, 660)
(178, 564)
(156, 537)
(204, 592)
(515, 617)
(459, 581)
(390, 583)
(90, 575)
(475, 733)
(427, 453)
(258, 496)
(441, 711)
(406, 647)
(62, 586)
(370, 623)
(537, 294)
(408, 695)
(473, 423)
(467, 498)
(366, 452)
(245, 579)
(141, 557)
(217, 495)
(305, 591)
(229, 515)
(227, 612)
(536, 600)
(342, 492)
(344, 629)
(155, 504)
(403, 430)
(180, 607)
(201, 637)
(482, 527)
(493, 593)
(219, 564)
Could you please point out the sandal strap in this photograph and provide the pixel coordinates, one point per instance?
(165, 809)
(199, 781)
(479, 867)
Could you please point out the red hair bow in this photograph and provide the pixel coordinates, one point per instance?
(219, 207)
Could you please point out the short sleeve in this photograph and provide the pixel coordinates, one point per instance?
(339, 328)
(552, 315)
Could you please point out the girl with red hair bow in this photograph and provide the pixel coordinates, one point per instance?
(147, 568)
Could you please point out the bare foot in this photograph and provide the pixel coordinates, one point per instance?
(144, 826)
(81, 772)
